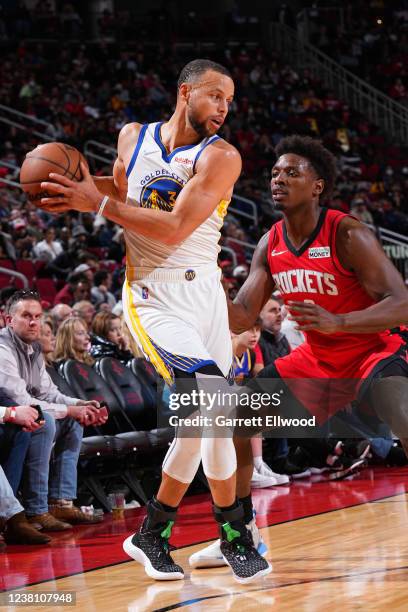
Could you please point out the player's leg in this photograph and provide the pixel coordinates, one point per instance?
(388, 396)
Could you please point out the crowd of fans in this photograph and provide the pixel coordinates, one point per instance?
(368, 38)
(88, 92)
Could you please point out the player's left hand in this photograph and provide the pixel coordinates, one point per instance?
(71, 195)
(313, 317)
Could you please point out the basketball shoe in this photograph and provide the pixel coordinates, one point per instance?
(150, 546)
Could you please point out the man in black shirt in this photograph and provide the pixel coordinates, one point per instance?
(273, 343)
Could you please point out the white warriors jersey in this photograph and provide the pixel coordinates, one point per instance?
(155, 179)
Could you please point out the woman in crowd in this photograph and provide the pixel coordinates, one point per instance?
(107, 338)
(73, 342)
(47, 341)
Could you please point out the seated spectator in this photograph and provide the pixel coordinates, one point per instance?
(107, 339)
(23, 373)
(48, 249)
(100, 292)
(85, 310)
(59, 313)
(73, 342)
(47, 341)
(77, 288)
(273, 343)
(248, 363)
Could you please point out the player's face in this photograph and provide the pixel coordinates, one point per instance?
(208, 102)
(294, 182)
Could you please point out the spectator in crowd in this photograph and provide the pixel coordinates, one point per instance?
(47, 341)
(77, 288)
(49, 248)
(107, 339)
(100, 292)
(247, 363)
(59, 313)
(273, 343)
(23, 373)
(85, 310)
(73, 342)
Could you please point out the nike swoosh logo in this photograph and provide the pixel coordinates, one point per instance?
(278, 253)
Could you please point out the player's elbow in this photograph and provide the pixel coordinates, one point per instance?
(174, 233)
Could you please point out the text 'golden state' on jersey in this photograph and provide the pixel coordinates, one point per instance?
(155, 179)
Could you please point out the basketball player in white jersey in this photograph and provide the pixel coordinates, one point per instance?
(170, 189)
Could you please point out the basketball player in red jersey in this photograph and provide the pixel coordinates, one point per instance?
(343, 293)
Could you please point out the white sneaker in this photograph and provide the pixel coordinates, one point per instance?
(211, 555)
(281, 479)
(259, 481)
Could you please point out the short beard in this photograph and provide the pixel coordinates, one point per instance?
(198, 127)
(279, 206)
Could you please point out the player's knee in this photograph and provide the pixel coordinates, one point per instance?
(182, 459)
(218, 457)
(389, 399)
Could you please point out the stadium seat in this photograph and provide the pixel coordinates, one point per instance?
(46, 288)
(91, 445)
(128, 389)
(124, 440)
(26, 267)
(87, 384)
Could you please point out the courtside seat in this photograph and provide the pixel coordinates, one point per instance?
(93, 445)
(132, 441)
(128, 389)
(150, 380)
(88, 385)
(161, 437)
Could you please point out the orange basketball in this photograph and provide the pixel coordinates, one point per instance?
(50, 157)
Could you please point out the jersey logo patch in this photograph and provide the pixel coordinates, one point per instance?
(190, 275)
(319, 252)
(145, 293)
(275, 253)
(160, 193)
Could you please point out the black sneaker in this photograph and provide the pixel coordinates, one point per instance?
(396, 457)
(357, 449)
(238, 550)
(151, 548)
(344, 467)
(237, 545)
(290, 468)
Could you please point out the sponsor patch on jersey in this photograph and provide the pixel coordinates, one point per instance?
(190, 275)
(184, 160)
(319, 252)
(145, 293)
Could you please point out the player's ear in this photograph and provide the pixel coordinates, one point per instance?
(318, 187)
(184, 92)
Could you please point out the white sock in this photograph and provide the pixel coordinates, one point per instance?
(258, 463)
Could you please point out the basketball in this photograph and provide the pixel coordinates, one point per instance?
(50, 157)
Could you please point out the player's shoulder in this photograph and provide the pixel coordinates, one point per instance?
(130, 131)
(221, 151)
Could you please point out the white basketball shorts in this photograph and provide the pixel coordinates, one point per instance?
(179, 318)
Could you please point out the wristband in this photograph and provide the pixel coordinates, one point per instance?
(12, 415)
(102, 206)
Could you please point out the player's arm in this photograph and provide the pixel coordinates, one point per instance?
(254, 293)
(360, 251)
(217, 170)
(116, 186)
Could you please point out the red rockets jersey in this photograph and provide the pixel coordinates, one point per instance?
(314, 273)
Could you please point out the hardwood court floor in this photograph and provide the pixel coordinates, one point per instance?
(333, 545)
